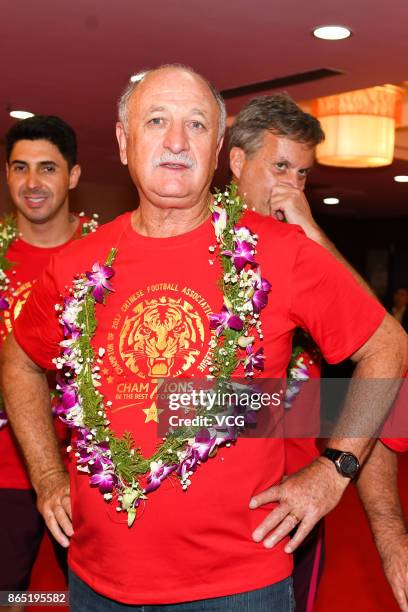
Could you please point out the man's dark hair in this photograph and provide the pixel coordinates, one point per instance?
(278, 114)
(45, 127)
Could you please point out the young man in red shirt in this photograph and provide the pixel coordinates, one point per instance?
(219, 545)
(41, 169)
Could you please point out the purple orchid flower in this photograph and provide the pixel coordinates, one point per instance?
(225, 432)
(199, 450)
(4, 305)
(219, 220)
(68, 318)
(104, 480)
(225, 319)
(102, 474)
(68, 401)
(243, 254)
(3, 419)
(260, 297)
(223, 438)
(69, 394)
(254, 360)
(99, 279)
(189, 463)
(298, 375)
(203, 444)
(158, 472)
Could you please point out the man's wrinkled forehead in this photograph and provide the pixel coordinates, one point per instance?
(170, 88)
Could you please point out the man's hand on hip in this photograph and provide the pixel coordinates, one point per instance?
(303, 499)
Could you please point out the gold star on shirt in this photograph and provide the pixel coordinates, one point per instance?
(152, 413)
(105, 371)
(109, 380)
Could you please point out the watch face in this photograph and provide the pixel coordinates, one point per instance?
(349, 465)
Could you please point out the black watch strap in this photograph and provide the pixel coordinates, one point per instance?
(346, 463)
(332, 453)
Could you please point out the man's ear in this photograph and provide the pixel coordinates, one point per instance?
(122, 142)
(237, 159)
(219, 147)
(74, 176)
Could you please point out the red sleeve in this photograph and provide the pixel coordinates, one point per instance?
(395, 430)
(400, 445)
(37, 329)
(327, 301)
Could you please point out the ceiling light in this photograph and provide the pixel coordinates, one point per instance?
(137, 77)
(359, 127)
(331, 201)
(402, 178)
(332, 32)
(20, 114)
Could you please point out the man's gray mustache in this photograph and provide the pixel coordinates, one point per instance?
(174, 158)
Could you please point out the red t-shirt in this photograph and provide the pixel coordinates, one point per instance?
(197, 544)
(29, 261)
(397, 422)
(302, 451)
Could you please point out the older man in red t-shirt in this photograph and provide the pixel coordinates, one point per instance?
(224, 543)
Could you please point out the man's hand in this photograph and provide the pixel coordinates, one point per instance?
(290, 204)
(395, 564)
(54, 503)
(304, 498)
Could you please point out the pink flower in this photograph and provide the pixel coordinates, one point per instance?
(99, 279)
(225, 319)
(243, 254)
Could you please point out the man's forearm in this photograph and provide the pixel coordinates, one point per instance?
(27, 400)
(381, 364)
(378, 489)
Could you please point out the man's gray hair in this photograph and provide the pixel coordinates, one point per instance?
(278, 114)
(123, 103)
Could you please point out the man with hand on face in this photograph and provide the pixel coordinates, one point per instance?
(41, 169)
(222, 544)
(272, 147)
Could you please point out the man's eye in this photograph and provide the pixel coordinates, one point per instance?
(18, 168)
(156, 121)
(197, 125)
(303, 173)
(280, 166)
(48, 169)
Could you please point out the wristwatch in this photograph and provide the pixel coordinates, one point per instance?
(346, 463)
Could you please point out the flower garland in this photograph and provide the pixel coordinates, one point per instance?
(8, 233)
(298, 374)
(114, 465)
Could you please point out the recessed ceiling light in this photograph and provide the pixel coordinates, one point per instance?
(137, 77)
(402, 178)
(332, 32)
(20, 114)
(331, 201)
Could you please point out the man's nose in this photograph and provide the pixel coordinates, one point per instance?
(176, 138)
(33, 180)
(293, 179)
